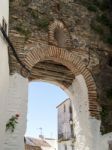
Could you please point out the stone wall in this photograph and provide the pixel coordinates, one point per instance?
(88, 27)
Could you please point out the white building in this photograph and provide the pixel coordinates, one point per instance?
(53, 143)
(66, 135)
(4, 69)
(42, 143)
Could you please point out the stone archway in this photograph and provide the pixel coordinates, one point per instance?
(82, 92)
(73, 63)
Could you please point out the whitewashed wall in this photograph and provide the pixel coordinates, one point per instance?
(4, 71)
(52, 142)
(64, 128)
(87, 128)
(68, 144)
(17, 104)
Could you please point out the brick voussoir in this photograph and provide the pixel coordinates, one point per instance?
(71, 62)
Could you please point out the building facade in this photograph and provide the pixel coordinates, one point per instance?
(66, 135)
(40, 143)
(4, 69)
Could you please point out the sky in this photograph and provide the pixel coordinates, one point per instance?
(42, 113)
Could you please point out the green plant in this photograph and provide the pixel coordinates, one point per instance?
(11, 124)
(43, 23)
(104, 112)
(23, 30)
(103, 19)
(11, 0)
(103, 5)
(34, 13)
(95, 4)
(92, 7)
(109, 39)
(97, 27)
(109, 94)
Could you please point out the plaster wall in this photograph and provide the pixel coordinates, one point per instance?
(65, 133)
(53, 143)
(17, 104)
(105, 141)
(64, 116)
(67, 145)
(4, 71)
(87, 129)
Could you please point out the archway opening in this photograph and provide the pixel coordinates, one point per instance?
(76, 81)
(59, 67)
(43, 100)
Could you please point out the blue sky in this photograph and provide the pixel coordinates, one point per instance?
(42, 101)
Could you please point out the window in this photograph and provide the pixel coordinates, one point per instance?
(4, 25)
(70, 109)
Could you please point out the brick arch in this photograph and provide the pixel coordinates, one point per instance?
(73, 63)
(57, 24)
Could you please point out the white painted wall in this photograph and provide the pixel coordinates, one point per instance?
(17, 104)
(52, 143)
(68, 144)
(87, 129)
(64, 116)
(65, 135)
(4, 71)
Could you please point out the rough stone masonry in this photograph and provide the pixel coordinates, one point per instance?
(87, 33)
